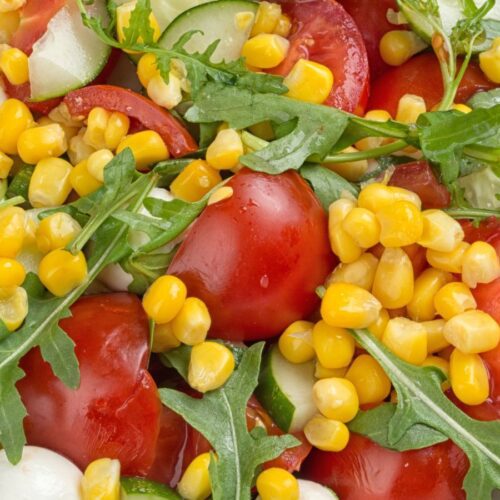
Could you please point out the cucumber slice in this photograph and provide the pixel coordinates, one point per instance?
(309, 490)
(137, 488)
(216, 21)
(285, 391)
(69, 55)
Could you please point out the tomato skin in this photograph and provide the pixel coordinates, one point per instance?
(116, 410)
(421, 76)
(150, 115)
(418, 177)
(325, 33)
(264, 252)
(365, 470)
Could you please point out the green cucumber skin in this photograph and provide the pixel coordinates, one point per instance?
(137, 488)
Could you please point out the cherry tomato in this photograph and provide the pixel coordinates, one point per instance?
(150, 115)
(419, 178)
(365, 470)
(325, 33)
(257, 257)
(116, 410)
(421, 76)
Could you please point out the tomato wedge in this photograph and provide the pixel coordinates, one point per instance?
(324, 32)
(147, 113)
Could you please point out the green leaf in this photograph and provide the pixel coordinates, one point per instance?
(421, 401)
(168, 170)
(221, 417)
(20, 183)
(139, 29)
(487, 99)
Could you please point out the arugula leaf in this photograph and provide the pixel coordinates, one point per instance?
(487, 99)
(20, 183)
(421, 401)
(221, 417)
(168, 170)
(139, 29)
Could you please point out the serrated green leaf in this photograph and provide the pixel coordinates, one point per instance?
(139, 29)
(487, 99)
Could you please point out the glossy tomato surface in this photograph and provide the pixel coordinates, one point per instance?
(257, 257)
(323, 32)
(116, 410)
(366, 471)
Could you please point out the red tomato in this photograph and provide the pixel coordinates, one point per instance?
(365, 470)
(150, 115)
(325, 33)
(116, 410)
(257, 257)
(421, 75)
(419, 178)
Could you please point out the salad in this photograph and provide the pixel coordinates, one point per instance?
(249, 249)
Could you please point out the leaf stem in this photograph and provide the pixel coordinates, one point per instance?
(12, 202)
(472, 213)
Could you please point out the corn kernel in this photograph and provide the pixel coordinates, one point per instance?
(343, 246)
(6, 164)
(277, 484)
(410, 107)
(79, 150)
(164, 299)
(377, 115)
(116, 130)
(400, 224)
(397, 46)
(336, 398)
(14, 309)
(210, 366)
(244, 20)
(12, 231)
(441, 232)
(351, 170)
(296, 342)
(452, 299)
(469, 378)
(69, 132)
(147, 147)
(371, 382)
(326, 434)
(147, 69)
(195, 482)
(9, 22)
(225, 152)
(167, 95)
(60, 114)
(436, 340)
(97, 122)
(11, 5)
(489, 61)
(407, 339)
(448, 261)
(50, 183)
(309, 81)
(321, 371)
(12, 274)
(393, 285)
(123, 15)
(463, 108)
(81, 180)
(378, 327)
(192, 323)
(376, 196)
(164, 339)
(61, 272)
(339, 210)
(362, 226)
(14, 65)
(361, 272)
(195, 181)
(101, 480)
(267, 18)
(40, 143)
(265, 51)
(15, 118)
(334, 346)
(56, 231)
(97, 162)
(223, 193)
(480, 264)
(349, 306)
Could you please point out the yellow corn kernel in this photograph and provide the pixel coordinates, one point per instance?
(81, 180)
(11, 5)
(283, 26)
(12, 231)
(147, 68)
(469, 378)
(267, 18)
(472, 332)
(12, 274)
(400, 224)
(410, 107)
(61, 272)
(441, 232)
(326, 434)
(6, 164)
(14, 309)
(60, 114)
(223, 193)
(56, 231)
(50, 183)
(377, 115)
(339, 209)
(463, 108)
(69, 132)
(79, 150)
(393, 283)
(14, 65)
(9, 22)
(378, 327)
(397, 46)
(336, 398)
(192, 323)
(164, 339)
(452, 299)
(101, 480)
(421, 307)
(265, 51)
(164, 299)
(296, 342)
(116, 129)
(39, 143)
(210, 366)
(97, 122)
(480, 264)
(441, 364)
(277, 484)
(334, 346)
(15, 118)
(244, 20)
(225, 152)
(407, 339)
(489, 61)
(342, 245)
(309, 81)
(349, 306)
(97, 162)
(167, 95)
(435, 335)
(376, 196)
(195, 181)
(147, 147)
(362, 226)
(321, 371)
(351, 170)
(195, 482)
(448, 261)
(371, 382)
(361, 272)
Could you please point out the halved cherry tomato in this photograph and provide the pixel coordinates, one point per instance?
(325, 33)
(116, 410)
(421, 76)
(257, 257)
(150, 115)
(419, 178)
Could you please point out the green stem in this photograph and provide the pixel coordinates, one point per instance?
(12, 202)
(388, 149)
(472, 213)
(490, 155)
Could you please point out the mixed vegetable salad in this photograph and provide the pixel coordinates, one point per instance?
(249, 249)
